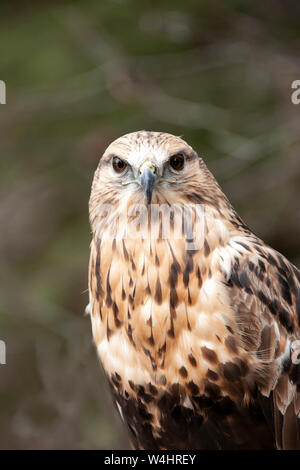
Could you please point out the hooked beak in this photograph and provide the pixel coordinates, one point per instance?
(147, 179)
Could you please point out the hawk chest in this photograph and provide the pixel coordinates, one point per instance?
(160, 315)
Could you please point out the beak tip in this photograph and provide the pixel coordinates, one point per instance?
(148, 179)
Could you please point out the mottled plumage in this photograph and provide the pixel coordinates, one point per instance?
(196, 343)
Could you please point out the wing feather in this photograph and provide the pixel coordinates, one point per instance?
(265, 293)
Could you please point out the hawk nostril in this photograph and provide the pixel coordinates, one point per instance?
(148, 164)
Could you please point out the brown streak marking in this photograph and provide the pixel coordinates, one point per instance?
(209, 355)
(192, 360)
(183, 372)
(230, 343)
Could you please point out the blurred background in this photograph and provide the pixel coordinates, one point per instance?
(80, 74)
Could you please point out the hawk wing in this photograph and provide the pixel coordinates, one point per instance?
(265, 294)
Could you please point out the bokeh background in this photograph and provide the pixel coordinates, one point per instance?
(79, 74)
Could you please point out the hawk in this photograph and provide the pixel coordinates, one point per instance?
(198, 334)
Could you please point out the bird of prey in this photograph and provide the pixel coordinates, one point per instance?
(199, 341)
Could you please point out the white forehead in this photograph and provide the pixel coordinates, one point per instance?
(148, 151)
(140, 146)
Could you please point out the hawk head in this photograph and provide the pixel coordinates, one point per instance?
(153, 167)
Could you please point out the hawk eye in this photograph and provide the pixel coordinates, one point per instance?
(119, 165)
(177, 162)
